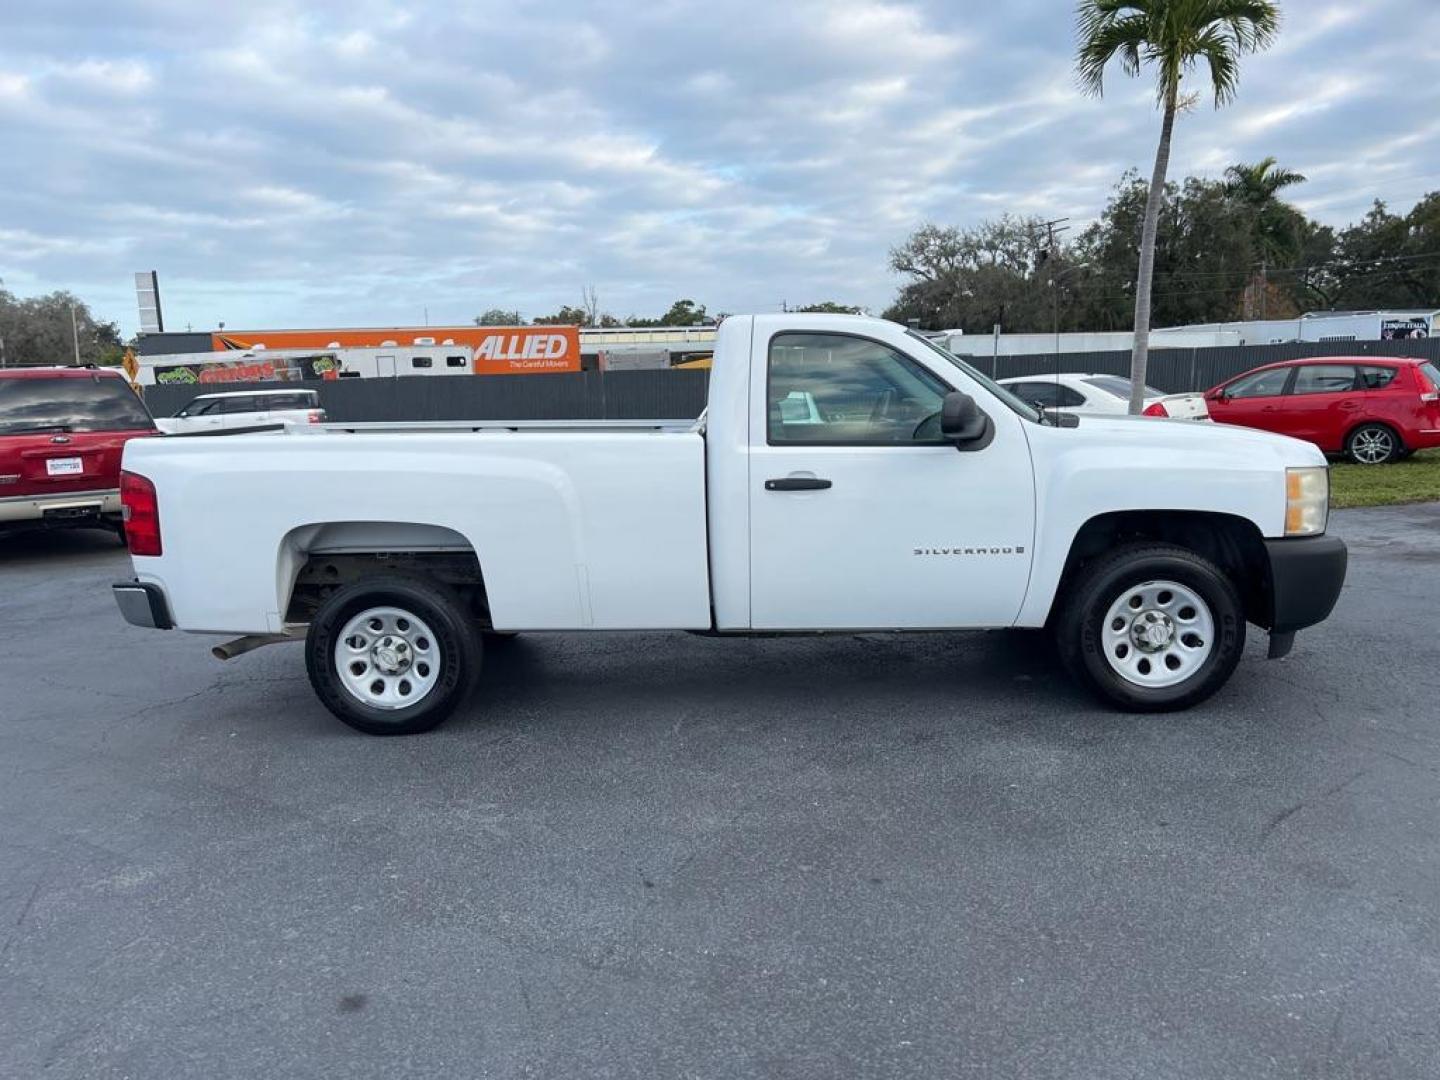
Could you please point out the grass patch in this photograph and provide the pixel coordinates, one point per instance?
(1416, 479)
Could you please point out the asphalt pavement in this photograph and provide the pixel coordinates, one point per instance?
(659, 855)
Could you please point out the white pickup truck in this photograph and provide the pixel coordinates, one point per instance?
(847, 475)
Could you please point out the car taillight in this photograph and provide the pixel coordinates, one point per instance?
(141, 513)
(1157, 409)
(316, 416)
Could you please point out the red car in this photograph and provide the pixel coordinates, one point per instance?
(62, 431)
(1373, 409)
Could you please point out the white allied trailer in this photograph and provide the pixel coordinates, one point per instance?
(847, 475)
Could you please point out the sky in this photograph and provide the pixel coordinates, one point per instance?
(373, 163)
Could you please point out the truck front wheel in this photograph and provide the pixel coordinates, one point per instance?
(392, 655)
(1151, 628)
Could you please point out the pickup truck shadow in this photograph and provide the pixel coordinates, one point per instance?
(1002, 678)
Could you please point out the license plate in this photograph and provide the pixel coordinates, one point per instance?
(64, 466)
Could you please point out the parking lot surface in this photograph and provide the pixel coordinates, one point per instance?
(661, 855)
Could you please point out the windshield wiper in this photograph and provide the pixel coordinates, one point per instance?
(31, 428)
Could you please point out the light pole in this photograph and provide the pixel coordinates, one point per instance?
(75, 333)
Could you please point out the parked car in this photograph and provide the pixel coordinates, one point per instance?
(245, 408)
(1100, 395)
(62, 430)
(1373, 409)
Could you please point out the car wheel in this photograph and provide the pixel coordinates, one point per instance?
(1151, 628)
(1373, 444)
(392, 655)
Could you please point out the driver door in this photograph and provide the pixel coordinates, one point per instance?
(861, 517)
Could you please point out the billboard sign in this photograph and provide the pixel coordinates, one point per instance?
(498, 350)
(1405, 329)
(250, 369)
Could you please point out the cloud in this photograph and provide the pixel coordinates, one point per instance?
(360, 163)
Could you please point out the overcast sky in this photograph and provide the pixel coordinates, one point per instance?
(360, 162)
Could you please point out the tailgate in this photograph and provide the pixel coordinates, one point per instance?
(38, 465)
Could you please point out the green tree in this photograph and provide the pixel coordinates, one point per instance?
(971, 279)
(39, 330)
(830, 307)
(566, 316)
(681, 313)
(499, 317)
(1174, 37)
(1388, 260)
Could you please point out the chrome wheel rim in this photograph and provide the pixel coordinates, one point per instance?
(1372, 446)
(387, 658)
(1158, 634)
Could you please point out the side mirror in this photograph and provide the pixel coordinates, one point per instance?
(961, 420)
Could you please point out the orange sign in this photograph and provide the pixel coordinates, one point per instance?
(498, 350)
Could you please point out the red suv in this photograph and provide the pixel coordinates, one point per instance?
(62, 431)
(1373, 408)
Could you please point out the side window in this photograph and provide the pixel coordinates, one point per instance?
(838, 389)
(203, 407)
(1376, 377)
(454, 361)
(1324, 379)
(1262, 384)
(240, 404)
(420, 361)
(275, 402)
(1069, 398)
(1036, 393)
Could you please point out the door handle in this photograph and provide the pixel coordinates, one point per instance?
(797, 483)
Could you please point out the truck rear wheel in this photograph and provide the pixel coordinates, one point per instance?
(392, 655)
(1151, 628)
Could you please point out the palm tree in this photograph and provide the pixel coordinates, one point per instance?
(1257, 184)
(1173, 36)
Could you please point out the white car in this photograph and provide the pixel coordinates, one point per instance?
(848, 475)
(1101, 395)
(244, 409)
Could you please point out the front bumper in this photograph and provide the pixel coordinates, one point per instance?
(143, 604)
(1306, 575)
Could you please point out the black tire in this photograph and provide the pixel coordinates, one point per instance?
(1080, 631)
(431, 604)
(1364, 443)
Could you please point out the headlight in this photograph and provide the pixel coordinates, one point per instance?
(1307, 500)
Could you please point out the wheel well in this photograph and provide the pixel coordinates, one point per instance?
(1399, 438)
(1234, 544)
(317, 560)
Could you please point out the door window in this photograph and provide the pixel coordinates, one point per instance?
(1324, 379)
(1375, 377)
(1261, 384)
(239, 404)
(840, 390)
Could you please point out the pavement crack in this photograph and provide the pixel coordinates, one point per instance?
(1286, 814)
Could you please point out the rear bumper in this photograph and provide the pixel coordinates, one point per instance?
(1306, 575)
(60, 509)
(143, 604)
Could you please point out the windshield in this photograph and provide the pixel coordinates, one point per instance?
(1011, 401)
(1119, 387)
(98, 403)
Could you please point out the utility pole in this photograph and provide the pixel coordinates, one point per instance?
(2, 350)
(75, 333)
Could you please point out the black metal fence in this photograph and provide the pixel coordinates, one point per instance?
(1176, 371)
(587, 395)
(680, 395)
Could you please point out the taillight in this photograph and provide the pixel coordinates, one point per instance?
(141, 513)
(316, 416)
(1157, 409)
